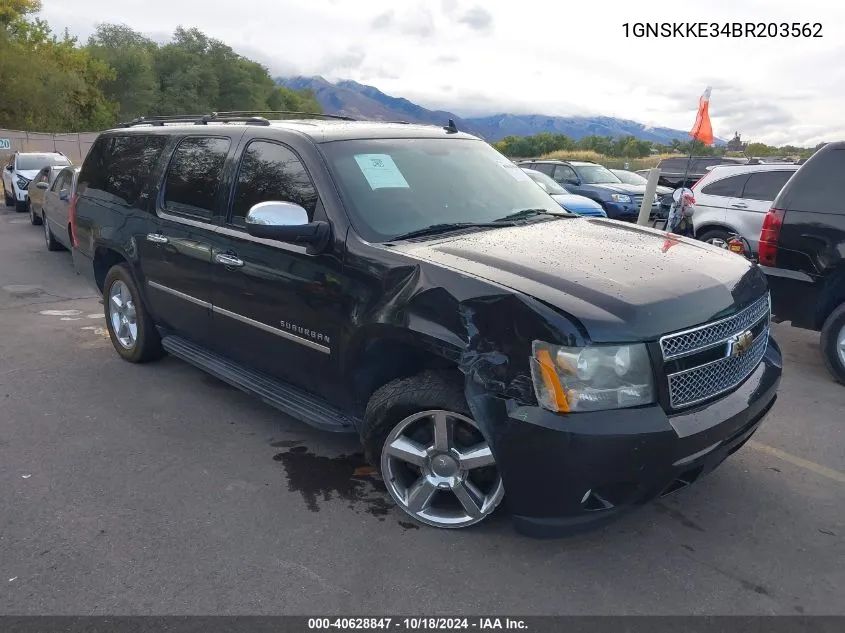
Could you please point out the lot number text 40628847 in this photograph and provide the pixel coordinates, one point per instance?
(419, 623)
(722, 29)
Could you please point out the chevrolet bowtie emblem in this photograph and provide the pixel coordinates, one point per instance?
(739, 344)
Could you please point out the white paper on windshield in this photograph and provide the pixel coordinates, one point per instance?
(515, 171)
(380, 171)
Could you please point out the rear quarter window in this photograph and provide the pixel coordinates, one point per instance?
(818, 186)
(730, 187)
(120, 166)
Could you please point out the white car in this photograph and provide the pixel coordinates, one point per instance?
(735, 199)
(21, 169)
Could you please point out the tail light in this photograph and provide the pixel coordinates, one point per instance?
(770, 236)
(73, 219)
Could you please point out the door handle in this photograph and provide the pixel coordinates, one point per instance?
(228, 260)
(158, 238)
(740, 205)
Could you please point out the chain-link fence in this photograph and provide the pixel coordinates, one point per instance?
(74, 146)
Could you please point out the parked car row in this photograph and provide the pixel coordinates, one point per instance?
(21, 170)
(429, 295)
(620, 201)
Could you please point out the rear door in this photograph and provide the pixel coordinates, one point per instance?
(57, 206)
(713, 200)
(177, 245)
(748, 211)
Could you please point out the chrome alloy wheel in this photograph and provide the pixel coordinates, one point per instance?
(840, 345)
(124, 320)
(439, 469)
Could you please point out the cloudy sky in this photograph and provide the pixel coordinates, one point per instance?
(545, 56)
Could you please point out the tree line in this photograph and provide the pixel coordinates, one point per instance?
(54, 83)
(627, 147)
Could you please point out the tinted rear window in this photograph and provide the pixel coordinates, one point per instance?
(194, 174)
(818, 187)
(765, 185)
(730, 187)
(121, 165)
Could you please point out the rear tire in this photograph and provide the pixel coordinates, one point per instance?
(714, 236)
(833, 343)
(10, 201)
(130, 327)
(34, 218)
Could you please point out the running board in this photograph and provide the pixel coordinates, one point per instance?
(287, 399)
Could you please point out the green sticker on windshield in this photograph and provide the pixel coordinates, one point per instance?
(380, 171)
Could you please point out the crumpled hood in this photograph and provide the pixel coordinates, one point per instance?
(621, 281)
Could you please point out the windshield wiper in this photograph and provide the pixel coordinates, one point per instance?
(445, 227)
(524, 214)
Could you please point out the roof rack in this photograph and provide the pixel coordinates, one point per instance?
(250, 117)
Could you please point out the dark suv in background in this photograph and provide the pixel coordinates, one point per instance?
(410, 284)
(672, 170)
(619, 200)
(802, 250)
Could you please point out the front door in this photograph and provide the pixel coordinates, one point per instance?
(176, 255)
(276, 308)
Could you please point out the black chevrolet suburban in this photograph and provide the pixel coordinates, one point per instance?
(802, 250)
(410, 284)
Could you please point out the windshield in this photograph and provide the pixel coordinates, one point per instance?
(595, 174)
(396, 186)
(32, 162)
(629, 177)
(547, 183)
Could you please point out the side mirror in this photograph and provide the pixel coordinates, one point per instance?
(286, 222)
(42, 185)
(64, 195)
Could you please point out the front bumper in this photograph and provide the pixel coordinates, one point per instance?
(563, 474)
(21, 196)
(626, 210)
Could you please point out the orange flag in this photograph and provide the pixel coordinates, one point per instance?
(702, 130)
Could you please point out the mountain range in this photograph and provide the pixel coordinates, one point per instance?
(356, 100)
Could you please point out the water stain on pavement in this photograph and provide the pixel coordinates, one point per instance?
(346, 478)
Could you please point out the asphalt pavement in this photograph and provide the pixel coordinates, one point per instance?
(155, 489)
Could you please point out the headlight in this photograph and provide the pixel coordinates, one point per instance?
(591, 378)
(620, 197)
(23, 183)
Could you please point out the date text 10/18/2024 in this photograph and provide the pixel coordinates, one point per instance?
(722, 29)
(419, 623)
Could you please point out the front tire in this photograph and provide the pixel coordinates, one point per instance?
(833, 343)
(435, 462)
(130, 327)
(10, 201)
(34, 218)
(52, 243)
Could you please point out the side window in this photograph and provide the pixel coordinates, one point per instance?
(194, 174)
(121, 165)
(59, 183)
(543, 167)
(269, 171)
(765, 185)
(730, 187)
(564, 174)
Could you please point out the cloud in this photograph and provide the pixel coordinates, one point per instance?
(348, 60)
(418, 22)
(477, 18)
(383, 20)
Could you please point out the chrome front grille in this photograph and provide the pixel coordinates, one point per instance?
(711, 334)
(691, 383)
